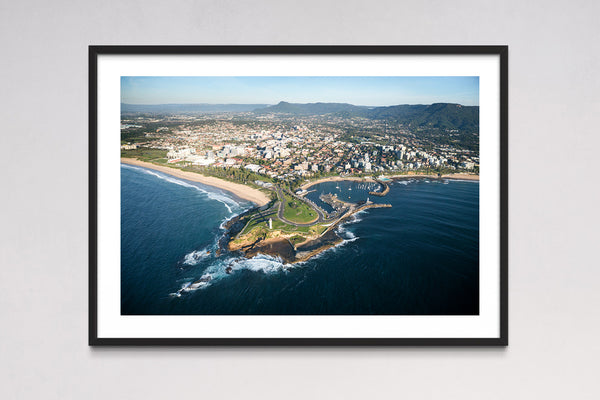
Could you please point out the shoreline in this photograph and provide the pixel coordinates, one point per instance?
(337, 179)
(242, 191)
(281, 246)
(467, 177)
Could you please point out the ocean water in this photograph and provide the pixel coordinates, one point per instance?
(420, 257)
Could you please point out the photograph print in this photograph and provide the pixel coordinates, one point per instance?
(310, 197)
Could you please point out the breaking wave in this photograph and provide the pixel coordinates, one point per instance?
(346, 235)
(226, 220)
(261, 263)
(405, 182)
(223, 268)
(228, 202)
(356, 217)
(195, 257)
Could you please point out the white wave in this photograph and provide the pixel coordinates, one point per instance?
(228, 202)
(195, 257)
(345, 234)
(191, 286)
(260, 263)
(356, 217)
(346, 241)
(227, 219)
(350, 235)
(218, 270)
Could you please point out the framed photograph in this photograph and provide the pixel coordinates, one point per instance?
(298, 195)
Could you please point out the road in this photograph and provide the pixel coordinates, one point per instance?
(280, 205)
(321, 219)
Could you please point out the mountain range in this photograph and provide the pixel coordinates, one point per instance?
(437, 115)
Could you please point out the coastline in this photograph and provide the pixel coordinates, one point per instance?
(337, 179)
(282, 247)
(242, 191)
(468, 177)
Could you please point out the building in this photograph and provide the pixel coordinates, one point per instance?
(253, 167)
(181, 153)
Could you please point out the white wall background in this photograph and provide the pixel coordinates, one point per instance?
(554, 143)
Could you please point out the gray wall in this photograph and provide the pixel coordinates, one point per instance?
(554, 140)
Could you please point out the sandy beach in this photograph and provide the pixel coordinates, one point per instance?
(242, 191)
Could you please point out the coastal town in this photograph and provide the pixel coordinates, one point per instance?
(292, 150)
(274, 159)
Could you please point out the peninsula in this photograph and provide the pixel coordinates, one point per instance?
(291, 227)
(272, 155)
(283, 224)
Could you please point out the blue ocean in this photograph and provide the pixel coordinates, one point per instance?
(420, 257)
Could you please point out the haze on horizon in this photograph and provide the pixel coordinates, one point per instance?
(359, 90)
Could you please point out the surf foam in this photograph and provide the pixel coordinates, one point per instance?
(195, 257)
(228, 202)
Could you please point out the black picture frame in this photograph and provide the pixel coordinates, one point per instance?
(95, 51)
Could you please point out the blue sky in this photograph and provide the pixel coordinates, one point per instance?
(367, 91)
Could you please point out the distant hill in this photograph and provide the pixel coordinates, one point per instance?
(310, 108)
(438, 115)
(189, 108)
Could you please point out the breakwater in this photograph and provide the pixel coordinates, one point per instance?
(385, 189)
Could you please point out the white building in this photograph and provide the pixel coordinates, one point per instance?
(253, 167)
(200, 160)
(181, 153)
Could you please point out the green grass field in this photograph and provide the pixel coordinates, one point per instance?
(145, 154)
(282, 226)
(257, 223)
(298, 211)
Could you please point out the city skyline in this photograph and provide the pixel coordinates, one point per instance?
(364, 91)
